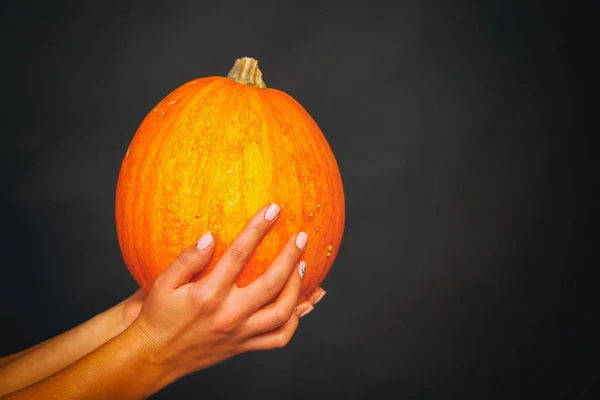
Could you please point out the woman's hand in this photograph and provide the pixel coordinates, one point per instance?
(187, 326)
(182, 327)
(131, 307)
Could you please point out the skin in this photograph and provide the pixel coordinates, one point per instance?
(183, 325)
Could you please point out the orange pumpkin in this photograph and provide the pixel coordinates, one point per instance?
(212, 153)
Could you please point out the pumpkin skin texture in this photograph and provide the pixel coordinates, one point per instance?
(208, 157)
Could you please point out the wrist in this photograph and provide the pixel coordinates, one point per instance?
(152, 353)
(110, 322)
(120, 316)
(128, 310)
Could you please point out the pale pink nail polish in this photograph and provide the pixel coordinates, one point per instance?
(302, 269)
(309, 309)
(320, 297)
(272, 212)
(301, 240)
(205, 241)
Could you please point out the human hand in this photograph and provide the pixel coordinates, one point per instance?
(187, 326)
(132, 306)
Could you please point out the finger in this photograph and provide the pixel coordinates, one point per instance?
(188, 264)
(307, 306)
(275, 339)
(302, 307)
(279, 312)
(306, 312)
(270, 283)
(317, 295)
(239, 251)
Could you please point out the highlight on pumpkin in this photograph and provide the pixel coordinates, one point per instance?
(208, 156)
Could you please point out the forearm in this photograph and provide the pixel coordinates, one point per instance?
(49, 357)
(119, 369)
(10, 358)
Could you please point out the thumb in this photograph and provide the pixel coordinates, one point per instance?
(189, 263)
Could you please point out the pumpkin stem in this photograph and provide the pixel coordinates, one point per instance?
(245, 71)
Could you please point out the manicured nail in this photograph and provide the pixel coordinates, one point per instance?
(301, 240)
(302, 269)
(309, 309)
(272, 212)
(205, 241)
(320, 297)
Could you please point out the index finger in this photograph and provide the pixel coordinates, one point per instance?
(238, 253)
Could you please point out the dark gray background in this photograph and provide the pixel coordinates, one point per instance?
(455, 126)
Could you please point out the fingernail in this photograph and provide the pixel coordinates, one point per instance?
(301, 240)
(309, 309)
(272, 212)
(320, 297)
(302, 269)
(205, 241)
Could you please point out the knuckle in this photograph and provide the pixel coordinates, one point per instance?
(206, 298)
(280, 316)
(283, 339)
(188, 258)
(238, 253)
(226, 324)
(255, 227)
(290, 256)
(271, 283)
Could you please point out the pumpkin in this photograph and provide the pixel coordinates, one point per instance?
(208, 157)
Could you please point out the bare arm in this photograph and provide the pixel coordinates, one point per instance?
(186, 325)
(7, 359)
(119, 369)
(44, 359)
